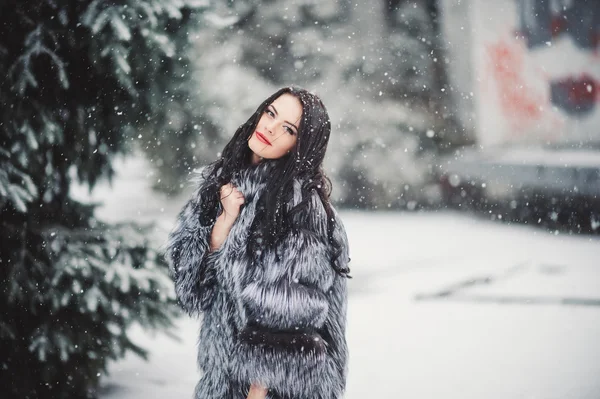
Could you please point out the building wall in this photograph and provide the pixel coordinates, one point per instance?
(536, 69)
(457, 41)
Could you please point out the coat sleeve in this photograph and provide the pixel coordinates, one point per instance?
(191, 265)
(281, 346)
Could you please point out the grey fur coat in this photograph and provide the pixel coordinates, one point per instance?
(281, 324)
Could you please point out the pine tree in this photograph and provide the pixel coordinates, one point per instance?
(375, 65)
(411, 42)
(80, 80)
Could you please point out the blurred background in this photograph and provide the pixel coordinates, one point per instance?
(465, 161)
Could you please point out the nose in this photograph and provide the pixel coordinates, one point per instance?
(270, 127)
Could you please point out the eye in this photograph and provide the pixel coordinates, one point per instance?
(290, 130)
(270, 113)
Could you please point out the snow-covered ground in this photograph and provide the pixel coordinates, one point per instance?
(442, 305)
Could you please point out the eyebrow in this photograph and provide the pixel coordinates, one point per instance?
(276, 113)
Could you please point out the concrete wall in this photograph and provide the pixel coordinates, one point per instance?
(534, 66)
(457, 40)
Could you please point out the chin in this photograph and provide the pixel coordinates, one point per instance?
(258, 148)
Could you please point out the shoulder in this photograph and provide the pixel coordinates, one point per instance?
(314, 214)
(200, 178)
(311, 196)
(307, 208)
(201, 174)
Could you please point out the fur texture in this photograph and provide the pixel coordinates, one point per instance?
(280, 322)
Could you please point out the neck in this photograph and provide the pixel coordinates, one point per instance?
(252, 178)
(255, 159)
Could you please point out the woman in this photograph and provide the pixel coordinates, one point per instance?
(260, 251)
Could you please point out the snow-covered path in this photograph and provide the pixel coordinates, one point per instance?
(442, 305)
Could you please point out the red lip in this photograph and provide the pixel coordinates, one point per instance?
(261, 137)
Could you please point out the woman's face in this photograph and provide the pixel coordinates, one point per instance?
(277, 130)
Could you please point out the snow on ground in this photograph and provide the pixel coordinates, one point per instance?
(442, 305)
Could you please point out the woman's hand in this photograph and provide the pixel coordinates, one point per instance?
(257, 392)
(231, 199)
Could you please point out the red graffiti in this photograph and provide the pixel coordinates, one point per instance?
(517, 99)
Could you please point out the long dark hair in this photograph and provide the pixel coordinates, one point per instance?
(304, 163)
